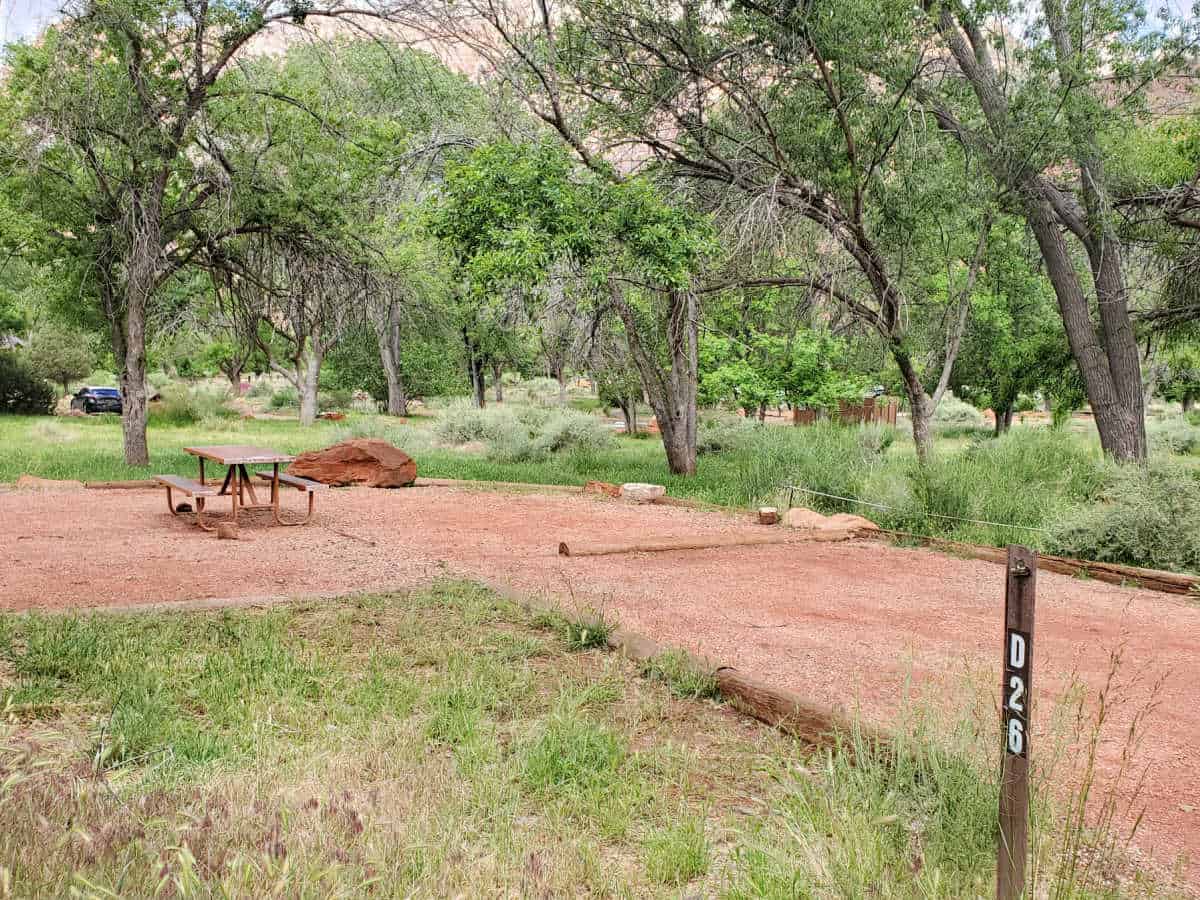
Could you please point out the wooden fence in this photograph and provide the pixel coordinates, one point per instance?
(870, 410)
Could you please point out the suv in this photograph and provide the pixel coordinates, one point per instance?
(97, 400)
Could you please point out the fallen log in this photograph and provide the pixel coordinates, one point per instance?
(1110, 573)
(711, 542)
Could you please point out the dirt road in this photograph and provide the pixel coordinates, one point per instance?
(841, 623)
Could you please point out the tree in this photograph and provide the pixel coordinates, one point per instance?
(61, 355)
(117, 145)
(294, 301)
(1039, 110)
(772, 112)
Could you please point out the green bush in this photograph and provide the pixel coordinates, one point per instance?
(182, 405)
(1148, 516)
(101, 378)
(953, 414)
(336, 399)
(522, 436)
(569, 429)
(719, 434)
(285, 398)
(537, 392)
(22, 391)
(260, 389)
(1174, 435)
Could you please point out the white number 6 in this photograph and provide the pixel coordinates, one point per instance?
(1016, 736)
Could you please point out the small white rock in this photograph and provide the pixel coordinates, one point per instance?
(642, 493)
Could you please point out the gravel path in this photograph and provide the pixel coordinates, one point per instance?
(843, 623)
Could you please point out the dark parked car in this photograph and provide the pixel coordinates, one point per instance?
(97, 400)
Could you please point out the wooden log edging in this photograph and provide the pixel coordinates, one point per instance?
(814, 723)
(690, 543)
(1111, 573)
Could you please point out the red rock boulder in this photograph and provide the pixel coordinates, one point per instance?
(366, 461)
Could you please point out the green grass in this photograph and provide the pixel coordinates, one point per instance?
(445, 742)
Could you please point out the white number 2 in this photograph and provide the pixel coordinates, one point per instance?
(1018, 691)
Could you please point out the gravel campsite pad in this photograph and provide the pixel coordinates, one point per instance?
(857, 624)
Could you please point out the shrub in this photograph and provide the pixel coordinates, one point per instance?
(720, 434)
(260, 389)
(22, 391)
(1175, 435)
(462, 423)
(1147, 516)
(101, 378)
(285, 398)
(181, 405)
(569, 429)
(537, 391)
(336, 399)
(955, 414)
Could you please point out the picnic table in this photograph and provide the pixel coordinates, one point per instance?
(238, 483)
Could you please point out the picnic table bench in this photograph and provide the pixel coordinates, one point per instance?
(238, 483)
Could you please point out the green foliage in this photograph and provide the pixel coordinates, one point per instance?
(286, 397)
(182, 405)
(677, 854)
(529, 435)
(571, 754)
(1174, 435)
(60, 355)
(685, 679)
(22, 390)
(722, 433)
(1146, 516)
(958, 415)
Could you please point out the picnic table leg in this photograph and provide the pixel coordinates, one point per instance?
(201, 460)
(248, 484)
(275, 500)
(225, 483)
(200, 514)
(235, 488)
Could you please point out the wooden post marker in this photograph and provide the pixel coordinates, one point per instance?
(1015, 694)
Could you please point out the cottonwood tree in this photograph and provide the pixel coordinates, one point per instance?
(61, 355)
(113, 102)
(294, 301)
(772, 110)
(1036, 90)
(509, 213)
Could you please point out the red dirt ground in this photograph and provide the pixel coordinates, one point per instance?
(840, 623)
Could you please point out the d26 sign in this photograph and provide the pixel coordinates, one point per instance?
(1018, 654)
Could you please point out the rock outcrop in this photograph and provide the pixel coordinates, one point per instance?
(642, 493)
(367, 461)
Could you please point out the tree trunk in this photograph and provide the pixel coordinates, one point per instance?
(1113, 379)
(671, 394)
(475, 372)
(920, 405)
(1003, 413)
(498, 380)
(628, 407)
(762, 412)
(387, 333)
(308, 373)
(1187, 402)
(561, 377)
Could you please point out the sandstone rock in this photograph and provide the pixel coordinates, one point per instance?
(227, 531)
(840, 526)
(332, 416)
(602, 487)
(642, 493)
(33, 483)
(767, 515)
(368, 461)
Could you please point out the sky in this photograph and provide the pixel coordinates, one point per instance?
(25, 18)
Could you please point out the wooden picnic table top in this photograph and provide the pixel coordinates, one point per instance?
(239, 454)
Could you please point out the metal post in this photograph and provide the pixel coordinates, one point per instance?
(1015, 696)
